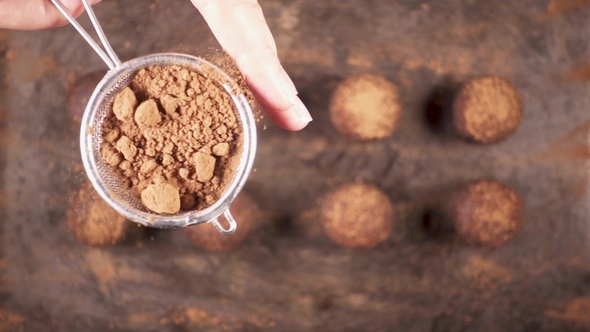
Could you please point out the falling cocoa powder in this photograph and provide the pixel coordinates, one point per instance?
(222, 60)
(174, 139)
(229, 66)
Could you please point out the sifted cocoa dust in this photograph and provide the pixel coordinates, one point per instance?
(173, 137)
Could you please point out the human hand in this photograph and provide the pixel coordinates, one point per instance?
(238, 25)
(241, 29)
(36, 14)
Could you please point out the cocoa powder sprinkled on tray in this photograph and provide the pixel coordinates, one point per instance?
(174, 138)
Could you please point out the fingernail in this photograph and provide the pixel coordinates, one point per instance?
(300, 111)
(288, 86)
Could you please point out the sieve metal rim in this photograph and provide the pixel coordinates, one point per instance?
(89, 158)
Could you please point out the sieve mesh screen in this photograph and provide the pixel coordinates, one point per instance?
(106, 182)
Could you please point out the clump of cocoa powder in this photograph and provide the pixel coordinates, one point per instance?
(174, 139)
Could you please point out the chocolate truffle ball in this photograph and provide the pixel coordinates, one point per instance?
(79, 94)
(206, 236)
(357, 216)
(486, 213)
(487, 109)
(365, 107)
(92, 221)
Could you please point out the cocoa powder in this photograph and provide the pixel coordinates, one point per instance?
(365, 107)
(173, 138)
(357, 215)
(92, 221)
(487, 109)
(487, 213)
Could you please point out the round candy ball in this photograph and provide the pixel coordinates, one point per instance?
(92, 221)
(487, 213)
(206, 236)
(487, 109)
(357, 216)
(365, 107)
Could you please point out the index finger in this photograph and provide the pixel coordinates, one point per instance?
(241, 29)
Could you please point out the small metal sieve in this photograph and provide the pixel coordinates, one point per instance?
(106, 183)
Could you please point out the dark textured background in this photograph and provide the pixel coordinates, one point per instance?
(288, 276)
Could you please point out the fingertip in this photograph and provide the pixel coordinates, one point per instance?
(297, 127)
(289, 124)
(293, 119)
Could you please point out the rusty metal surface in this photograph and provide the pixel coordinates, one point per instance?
(288, 276)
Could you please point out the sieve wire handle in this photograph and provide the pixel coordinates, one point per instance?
(111, 58)
(230, 219)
